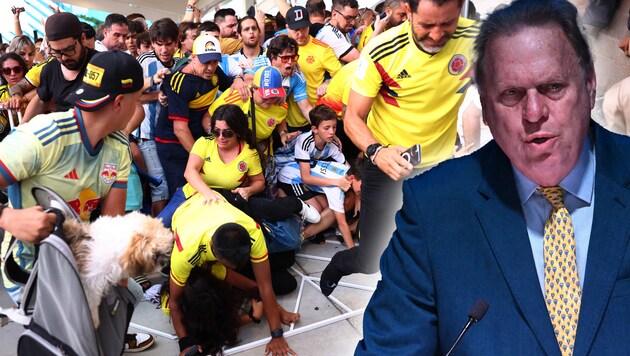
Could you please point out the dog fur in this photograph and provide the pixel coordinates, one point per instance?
(112, 249)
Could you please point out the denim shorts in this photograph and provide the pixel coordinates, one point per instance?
(154, 168)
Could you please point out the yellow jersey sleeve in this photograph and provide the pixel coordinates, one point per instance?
(33, 75)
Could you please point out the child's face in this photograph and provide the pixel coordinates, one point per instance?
(326, 130)
(144, 48)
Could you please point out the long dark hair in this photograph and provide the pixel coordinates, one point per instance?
(15, 57)
(210, 309)
(236, 120)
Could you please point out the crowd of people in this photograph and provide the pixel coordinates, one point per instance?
(247, 135)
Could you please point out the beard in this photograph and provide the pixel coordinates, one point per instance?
(421, 43)
(73, 64)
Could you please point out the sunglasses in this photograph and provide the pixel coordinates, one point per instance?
(227, 133)
(68, 52)
(8, 70)
(287, 59)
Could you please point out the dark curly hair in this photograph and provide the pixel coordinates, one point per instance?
(236, 120)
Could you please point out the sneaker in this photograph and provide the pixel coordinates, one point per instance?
(329, 280)
(138, 342)
(317, 239)
(309, 214)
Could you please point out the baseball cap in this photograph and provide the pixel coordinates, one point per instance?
(107, 75)
(269, 82)
(297, 17)
(63, 25)
(207, 48)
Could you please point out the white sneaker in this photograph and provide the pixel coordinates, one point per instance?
(138, 342)
(309, 214)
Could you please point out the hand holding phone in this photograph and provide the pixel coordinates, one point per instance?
(412, 155)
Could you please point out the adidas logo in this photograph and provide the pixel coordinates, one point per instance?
(72, 175)
(403, 75)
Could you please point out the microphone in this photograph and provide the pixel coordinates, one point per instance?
(475, 314)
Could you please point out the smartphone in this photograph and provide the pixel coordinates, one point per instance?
(412, 155)
(382, 15)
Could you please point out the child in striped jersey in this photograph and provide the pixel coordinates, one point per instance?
(318, 175)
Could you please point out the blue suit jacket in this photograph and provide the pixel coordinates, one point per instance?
(461, 236)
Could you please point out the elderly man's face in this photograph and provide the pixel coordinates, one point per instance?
(537, 101)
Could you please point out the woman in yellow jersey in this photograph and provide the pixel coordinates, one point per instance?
(226, 166)
(12, 70)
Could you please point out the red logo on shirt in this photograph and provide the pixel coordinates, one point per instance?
(109, 173)
(310, 60)
(271, 122)
(457, 64)
(242, 166)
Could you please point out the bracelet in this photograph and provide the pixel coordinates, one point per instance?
(250, 313)
(373, 158)
(190, 8)
(186, 342)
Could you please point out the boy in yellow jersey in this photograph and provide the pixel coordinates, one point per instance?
(407, 90)
(227, 241)
(316, 59)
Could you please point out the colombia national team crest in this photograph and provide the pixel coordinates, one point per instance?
(271, 122)
(242, 166)
(457, 64)
(310, 60)
(109, 173)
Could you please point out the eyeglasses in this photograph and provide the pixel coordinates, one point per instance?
(8, 70)
(290, 58)
(347, 17)
(227, 133)
(68, 51)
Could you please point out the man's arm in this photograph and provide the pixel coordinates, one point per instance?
(388, 159)
(350, 56)
(181, 130)
(136, 119)
(114, 202)
(35, 107)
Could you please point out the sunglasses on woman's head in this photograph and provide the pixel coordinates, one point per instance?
(227, 133)
(8, 70)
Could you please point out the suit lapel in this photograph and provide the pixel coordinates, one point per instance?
(502, 221)
(609, 237)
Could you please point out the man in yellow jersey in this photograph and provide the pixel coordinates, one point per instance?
(407, 90)
(227, 241)
(395, 14)
(316, 59)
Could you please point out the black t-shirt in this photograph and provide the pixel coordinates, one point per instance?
(53, 86)
(314, 29)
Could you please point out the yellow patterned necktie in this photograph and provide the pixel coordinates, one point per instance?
(562, 284)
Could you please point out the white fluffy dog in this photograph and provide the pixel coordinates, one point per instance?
(112, 249)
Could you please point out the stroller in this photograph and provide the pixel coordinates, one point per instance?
(53, 307)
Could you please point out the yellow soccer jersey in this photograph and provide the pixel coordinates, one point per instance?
(266, 119)
(417, 95)
(32, 76)
(194, 223)
(52, 151)
(369, 30)
(230, 46)
(339, 88)
(316, 59)
(217, 174)
(4, 115)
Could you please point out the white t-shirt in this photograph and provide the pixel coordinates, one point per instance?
(340, 42)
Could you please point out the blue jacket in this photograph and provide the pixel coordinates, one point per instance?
(461, 236)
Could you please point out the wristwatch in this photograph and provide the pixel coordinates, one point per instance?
(371, 149)
(277, 333)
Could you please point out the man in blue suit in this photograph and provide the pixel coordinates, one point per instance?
(476, 227)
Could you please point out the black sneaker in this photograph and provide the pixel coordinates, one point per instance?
(329, 280)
